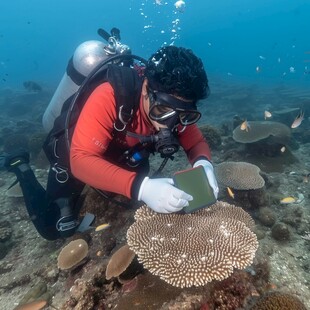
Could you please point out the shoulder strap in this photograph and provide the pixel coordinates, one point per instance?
(127, 89)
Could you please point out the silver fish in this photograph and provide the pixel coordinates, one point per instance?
(299, 118)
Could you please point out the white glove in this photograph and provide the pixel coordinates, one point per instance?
(210, 174)
(161, 196)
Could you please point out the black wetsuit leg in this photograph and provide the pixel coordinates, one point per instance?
(41, 214)
(64, 196)
(43, 205)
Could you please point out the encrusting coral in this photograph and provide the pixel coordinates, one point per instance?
(193, 249)
(278, 301)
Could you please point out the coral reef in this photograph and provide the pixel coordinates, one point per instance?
(240, 288)
(231, 293)
(239, 175)
(281, 232)
(192, 249)
(84, 296)
(260, 130)
(212, 135)
(73, 254)
(278, 301)
(267, 217)
(119, 262)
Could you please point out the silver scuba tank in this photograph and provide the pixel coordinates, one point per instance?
(85, 58)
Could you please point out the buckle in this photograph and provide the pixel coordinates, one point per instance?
(64, 224)
(61, 174)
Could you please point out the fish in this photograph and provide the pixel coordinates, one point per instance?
(245, 126)
(299, 118)
(230, 193)
(32, 86)
(267, 114)
(288, 200)
(102, 227)
(30, 305)
(292, 70)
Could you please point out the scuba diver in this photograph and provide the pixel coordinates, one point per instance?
(106, 117)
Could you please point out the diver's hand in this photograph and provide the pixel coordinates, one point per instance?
(210, 174)
(161, 196)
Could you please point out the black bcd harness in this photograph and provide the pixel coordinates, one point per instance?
(126, 84)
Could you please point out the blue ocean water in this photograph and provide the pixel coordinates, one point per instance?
(256, 41)
(264, 43)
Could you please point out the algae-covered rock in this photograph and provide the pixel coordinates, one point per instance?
(3, 250)
(34, 293)
(5, 231)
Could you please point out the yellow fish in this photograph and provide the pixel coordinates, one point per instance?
(288, 200)
(102, 227)
(230, 192)
(245, 126)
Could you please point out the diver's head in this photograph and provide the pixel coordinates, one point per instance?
(176, 80)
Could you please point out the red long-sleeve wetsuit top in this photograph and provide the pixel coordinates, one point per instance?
(96, 146)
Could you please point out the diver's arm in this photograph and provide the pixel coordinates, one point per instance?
(198, 153)
(194, 144)
(91, 138)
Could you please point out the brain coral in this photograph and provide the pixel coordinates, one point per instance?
(192, 249)
(278, 301)
(259, 130)
(239, 175)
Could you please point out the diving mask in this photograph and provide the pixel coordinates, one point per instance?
(164, 107)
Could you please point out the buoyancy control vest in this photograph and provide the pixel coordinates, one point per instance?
(126, 84)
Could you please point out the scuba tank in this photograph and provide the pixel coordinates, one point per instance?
(85, 58)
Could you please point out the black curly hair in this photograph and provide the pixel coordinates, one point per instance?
(177, 71)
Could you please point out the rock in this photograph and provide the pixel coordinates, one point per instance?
(267, 217)
(3, 250)
(280, 232)
(5, 231)
(2, 182)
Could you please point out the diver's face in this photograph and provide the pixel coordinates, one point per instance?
(167, 110)
(146, 105)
